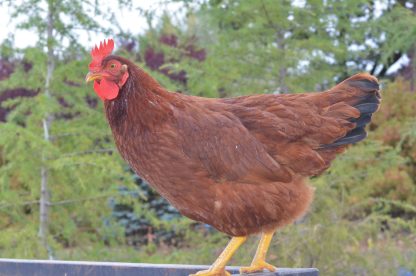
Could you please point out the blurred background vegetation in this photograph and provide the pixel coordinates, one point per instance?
(66, 194)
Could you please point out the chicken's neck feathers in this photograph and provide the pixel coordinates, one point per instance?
(142, 103)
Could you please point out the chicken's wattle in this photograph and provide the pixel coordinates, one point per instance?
(106, 90)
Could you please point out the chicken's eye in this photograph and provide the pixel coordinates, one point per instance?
(113, 65)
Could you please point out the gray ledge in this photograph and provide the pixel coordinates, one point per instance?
(18, 267)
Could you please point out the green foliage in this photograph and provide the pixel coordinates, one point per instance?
(362, 221)
(269, 47)
(278, 46)
(399, 28)
(84, 169)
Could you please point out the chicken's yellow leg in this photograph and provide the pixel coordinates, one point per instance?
(218, 267)
(259, 261)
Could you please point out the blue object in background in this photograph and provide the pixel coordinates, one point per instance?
(404, 272)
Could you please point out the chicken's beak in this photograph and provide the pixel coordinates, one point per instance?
(93, 76)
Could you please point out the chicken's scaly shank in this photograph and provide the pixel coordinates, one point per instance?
(238, 164)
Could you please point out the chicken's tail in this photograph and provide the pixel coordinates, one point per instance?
(360, 91)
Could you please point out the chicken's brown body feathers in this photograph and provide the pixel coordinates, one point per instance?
(238, 164)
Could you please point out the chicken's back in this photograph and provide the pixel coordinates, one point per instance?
(306, 131)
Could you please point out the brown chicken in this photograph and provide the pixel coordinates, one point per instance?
(238, 164)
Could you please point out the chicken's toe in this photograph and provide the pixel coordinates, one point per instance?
(257, 266)
(209, 272)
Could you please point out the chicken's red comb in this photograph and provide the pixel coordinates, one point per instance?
(98, 53)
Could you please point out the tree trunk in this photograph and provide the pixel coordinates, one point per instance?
(412, 65)
(280, 41)
(46, 122)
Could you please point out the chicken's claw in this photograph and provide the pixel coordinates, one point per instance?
(209, 272)
(257, 266)
(218, 267)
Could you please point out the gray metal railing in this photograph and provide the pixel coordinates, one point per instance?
(18, 267)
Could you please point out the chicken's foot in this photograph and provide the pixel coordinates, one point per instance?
(259, 263)
(218, 267)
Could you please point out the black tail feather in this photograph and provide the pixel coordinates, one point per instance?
(363, 120)
(364, 84)
(352, 137)
(370, 98)
(367, 105)
(366, 108)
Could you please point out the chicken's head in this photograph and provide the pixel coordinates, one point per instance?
(108, 73)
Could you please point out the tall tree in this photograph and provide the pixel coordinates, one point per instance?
(279, 46)
(59, 119)
(262, 46)
(396, 33)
